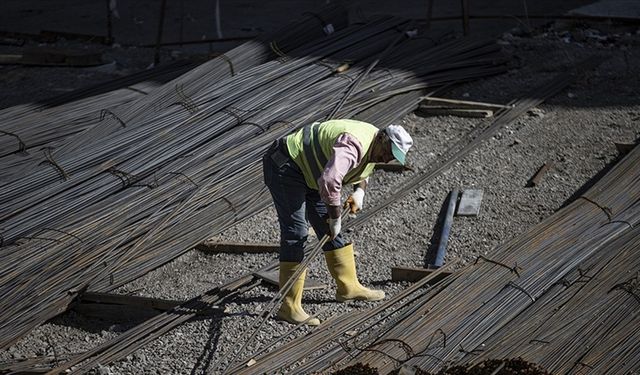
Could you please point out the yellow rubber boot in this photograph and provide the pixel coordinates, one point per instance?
(291, 308)
(342, 265)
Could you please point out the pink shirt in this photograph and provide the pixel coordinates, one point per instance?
(347, 154)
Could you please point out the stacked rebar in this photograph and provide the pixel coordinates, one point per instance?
(63, 252)
(152, 178)
(564, 295)
(588, 322)
(31, 127)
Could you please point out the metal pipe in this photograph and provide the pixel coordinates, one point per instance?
(441, 252)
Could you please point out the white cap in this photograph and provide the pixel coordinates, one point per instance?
(401, 142)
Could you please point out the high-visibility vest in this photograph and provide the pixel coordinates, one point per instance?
(315, 143)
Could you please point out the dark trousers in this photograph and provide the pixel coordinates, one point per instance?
(295, 203)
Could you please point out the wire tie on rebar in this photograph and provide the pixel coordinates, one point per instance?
(125, 178)
(179, 88)
(233, 208)
(47, 153)
(21, 145)
(629, 286)
(151, 185)
(433, 335)
(403, 345)
(185, 176)
(515, 269)
(343, 345)
(105, 112)
(185, 100)
(583, 273)
(472, 352)
(605, 209)
(540, 341)
(406, 347)
(133, 181)
(262, 129)
(42, 238)
(523, 290)
(156, 183)
(228, 60)
(274, 47)
(63, 232)
(240, 113)
(231, 112)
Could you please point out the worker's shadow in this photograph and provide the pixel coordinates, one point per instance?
(215, 331)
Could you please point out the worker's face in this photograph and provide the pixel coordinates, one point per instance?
(381, 152)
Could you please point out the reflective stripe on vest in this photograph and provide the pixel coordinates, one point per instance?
(309, 145)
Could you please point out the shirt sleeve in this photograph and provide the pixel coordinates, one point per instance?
(347, 154)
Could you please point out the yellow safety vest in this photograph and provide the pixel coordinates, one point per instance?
(315, 142)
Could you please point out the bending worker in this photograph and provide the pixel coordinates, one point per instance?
(305, 172)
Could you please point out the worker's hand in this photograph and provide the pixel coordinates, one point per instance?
(355, 202)
(335, 225)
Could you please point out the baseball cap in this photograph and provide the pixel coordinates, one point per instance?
(401, 142)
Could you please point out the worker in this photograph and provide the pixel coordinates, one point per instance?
(305, 172)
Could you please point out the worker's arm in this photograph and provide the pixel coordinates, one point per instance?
(347, 154)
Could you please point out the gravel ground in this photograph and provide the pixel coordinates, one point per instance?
(576, 130)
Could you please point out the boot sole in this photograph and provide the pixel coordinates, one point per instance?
(311, 321)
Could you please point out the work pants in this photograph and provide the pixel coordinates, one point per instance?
(296, 204)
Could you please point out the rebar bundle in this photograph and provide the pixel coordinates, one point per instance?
(19, 265)
(587, 322)
(152, 178)
(558, 295)
(30, 127)
(564, 295)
